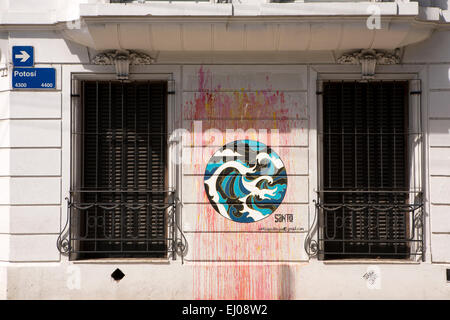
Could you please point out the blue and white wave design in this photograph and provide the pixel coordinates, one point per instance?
(245, 181)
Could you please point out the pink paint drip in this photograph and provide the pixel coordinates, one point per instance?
(248, 282)
(237, 280)
(213, 103)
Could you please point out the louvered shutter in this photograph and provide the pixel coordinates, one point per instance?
(365, 127)
(124, 162)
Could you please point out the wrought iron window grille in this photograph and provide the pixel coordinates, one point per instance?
(70, 243)
(120, 204)
(372, 231)
(366, 208)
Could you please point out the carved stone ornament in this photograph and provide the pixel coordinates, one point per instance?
(369, 59)
(122, 60)
(105, 58)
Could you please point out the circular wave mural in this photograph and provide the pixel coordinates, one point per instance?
(245, 181)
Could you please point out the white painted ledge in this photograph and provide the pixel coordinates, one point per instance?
(335, 9)
(193, 9)
(156, 9)
(371, 261)
(264, 9)
(286, 27)
(210, 27)
(235, 34)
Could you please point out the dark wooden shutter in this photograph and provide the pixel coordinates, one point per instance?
(365, 127)
(124, 169)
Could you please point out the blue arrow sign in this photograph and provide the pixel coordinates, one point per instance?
(34, 78)
(23, 56)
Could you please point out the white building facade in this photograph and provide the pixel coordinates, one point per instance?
(235, 150)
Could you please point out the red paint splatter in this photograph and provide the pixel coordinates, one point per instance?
(230, 274)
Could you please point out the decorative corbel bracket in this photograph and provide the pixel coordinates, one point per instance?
(122, 60)
(369, 59)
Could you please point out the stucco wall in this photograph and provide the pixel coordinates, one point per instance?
(35, 167)
(435, 54)
(222, 104)
(30, 176)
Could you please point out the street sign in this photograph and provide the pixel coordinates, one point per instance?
(23, 56)
(34, 78)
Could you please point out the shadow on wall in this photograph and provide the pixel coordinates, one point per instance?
(443, 4)
(286, 283)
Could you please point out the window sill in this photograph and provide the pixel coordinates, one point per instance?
(370, 261)
(124, 261)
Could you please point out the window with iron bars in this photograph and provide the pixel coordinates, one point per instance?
(120, 205)
(370, 196)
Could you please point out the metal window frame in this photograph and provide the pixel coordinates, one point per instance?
(173, 223)
(315, 246)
